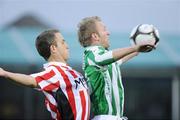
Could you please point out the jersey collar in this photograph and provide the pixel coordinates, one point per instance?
(46, 65)
(92, 47)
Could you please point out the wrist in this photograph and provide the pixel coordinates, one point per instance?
(137, 53)
(136, 48)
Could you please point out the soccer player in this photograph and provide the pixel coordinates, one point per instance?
(65, 90)
(101, 67)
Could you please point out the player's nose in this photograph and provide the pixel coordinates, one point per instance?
(108, 33)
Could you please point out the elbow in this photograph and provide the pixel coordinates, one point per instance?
(34, 85)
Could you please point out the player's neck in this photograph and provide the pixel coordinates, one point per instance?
(57, 59)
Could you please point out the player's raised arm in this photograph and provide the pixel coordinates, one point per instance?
(126, 58)
(102, 57)
(132, 51)
(22, 79)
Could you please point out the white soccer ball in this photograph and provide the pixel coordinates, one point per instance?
(144, 33)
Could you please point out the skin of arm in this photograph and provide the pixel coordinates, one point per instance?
(120, 53)
(25, 80)
(128, 54)
(128, 57)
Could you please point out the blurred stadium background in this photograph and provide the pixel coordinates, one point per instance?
(151, 81)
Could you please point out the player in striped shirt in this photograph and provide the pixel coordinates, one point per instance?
(101, 68)
(65, 90)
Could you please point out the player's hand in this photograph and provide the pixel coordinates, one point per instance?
(146, 48)
(2, 72)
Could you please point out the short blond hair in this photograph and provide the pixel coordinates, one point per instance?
(86, 28)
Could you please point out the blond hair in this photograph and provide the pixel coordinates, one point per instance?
(86, 28)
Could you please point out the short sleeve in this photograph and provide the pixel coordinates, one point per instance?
(46, 80)
(120, 62)
(101, 56)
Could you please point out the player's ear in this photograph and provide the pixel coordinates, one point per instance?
(95, 36)
(53, 48)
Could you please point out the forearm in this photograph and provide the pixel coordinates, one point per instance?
(130, 56)
(22, 79)
(114, 55)
(123, 52)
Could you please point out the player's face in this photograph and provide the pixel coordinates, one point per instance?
(62, 47)
(103, 34)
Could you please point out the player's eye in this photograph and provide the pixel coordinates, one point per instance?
(63, 41)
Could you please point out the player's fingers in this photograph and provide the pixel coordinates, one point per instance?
(151, 46)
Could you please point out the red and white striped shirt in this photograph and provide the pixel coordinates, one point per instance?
(65, 91)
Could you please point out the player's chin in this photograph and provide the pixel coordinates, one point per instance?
(106, 46)
(67, 57)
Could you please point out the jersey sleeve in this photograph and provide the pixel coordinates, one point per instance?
(101, 57)
(120, 62)
(46, 80)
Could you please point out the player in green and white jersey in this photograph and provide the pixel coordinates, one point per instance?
(101, 67)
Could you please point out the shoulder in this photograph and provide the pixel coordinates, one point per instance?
(45, 74)
(95, 49)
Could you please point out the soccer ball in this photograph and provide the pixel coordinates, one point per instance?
(145, 33)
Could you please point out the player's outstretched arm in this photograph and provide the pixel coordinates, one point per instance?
(117, 54)
(128, 57)
(125, 52)
(22, 79)
(122, 52)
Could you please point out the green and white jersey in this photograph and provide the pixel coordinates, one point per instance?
(104, 80)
